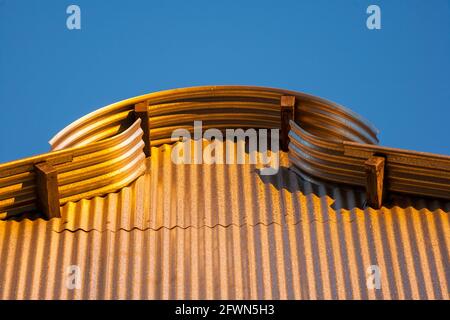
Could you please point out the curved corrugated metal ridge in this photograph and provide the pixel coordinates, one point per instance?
(319, 144)
(322, 135)
(83, 172)
(110, 119)
(411, 172)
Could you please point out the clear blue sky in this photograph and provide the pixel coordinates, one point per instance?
(397, 77)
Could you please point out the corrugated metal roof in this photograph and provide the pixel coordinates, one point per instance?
(327, 141)
(97, 169)
(225, 232)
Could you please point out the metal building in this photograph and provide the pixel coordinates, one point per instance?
(109, 201)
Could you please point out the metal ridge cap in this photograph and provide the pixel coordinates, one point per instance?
(62, 152)
(179, 93)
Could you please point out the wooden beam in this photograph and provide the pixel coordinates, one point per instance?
(287, 113)
(47, 190)
(141, 112)
(374, 181)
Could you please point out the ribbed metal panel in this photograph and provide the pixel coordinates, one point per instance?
(218, 106)
(83, 172)
(411, 172)
(320, 154)
(225, 232)
(328, 141)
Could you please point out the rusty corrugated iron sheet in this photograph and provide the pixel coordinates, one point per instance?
(225, 232)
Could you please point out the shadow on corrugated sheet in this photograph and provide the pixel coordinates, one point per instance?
(225, 232)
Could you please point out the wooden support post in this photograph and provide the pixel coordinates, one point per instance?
(287, 114)
(374, 181)
(47, 190)
(141, 112)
